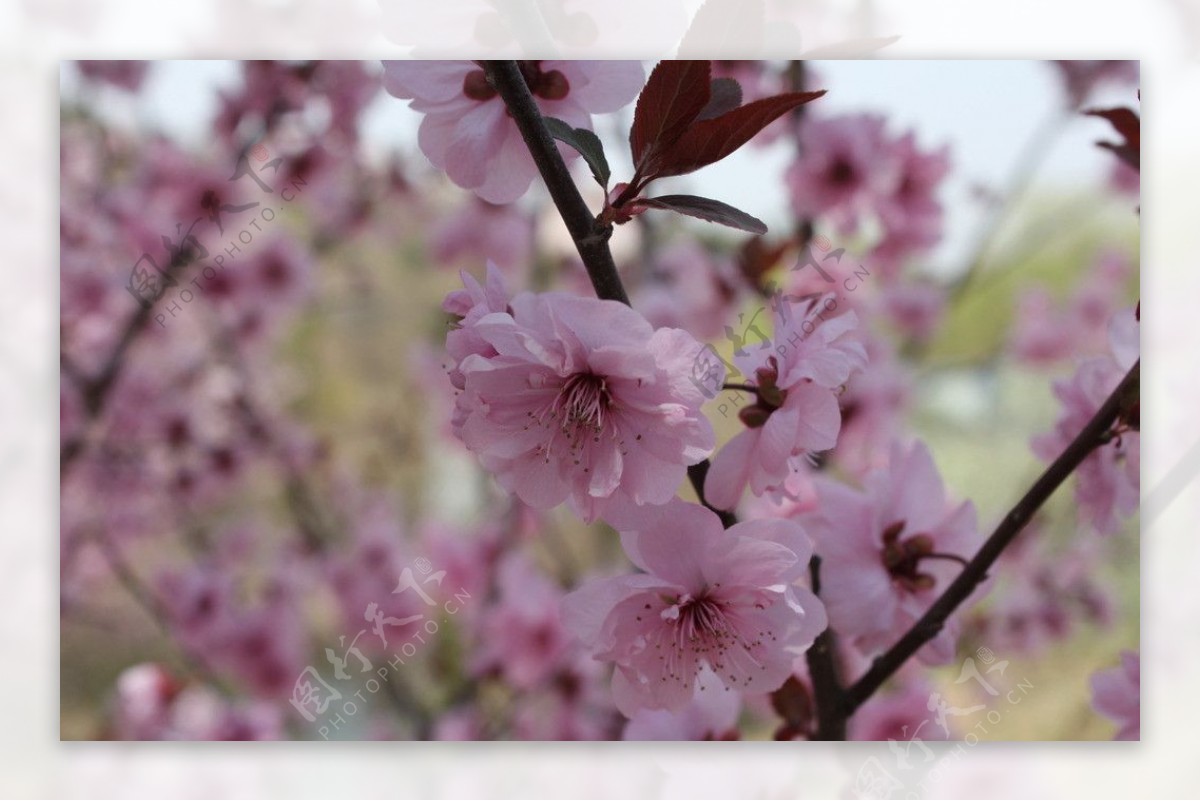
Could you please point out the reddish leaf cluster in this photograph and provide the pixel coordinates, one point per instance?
(685, 120)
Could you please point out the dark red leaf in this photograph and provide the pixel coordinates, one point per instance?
(1125, 120)
(726, 95)
(1126, 123)
(706, 209)
(675, 93)
(712, 140)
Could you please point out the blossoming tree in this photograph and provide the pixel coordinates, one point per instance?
(772, 550)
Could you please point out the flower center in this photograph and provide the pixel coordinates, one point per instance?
(581, 411)
(841, 173)
(584, 401)
(768, 396)
(704, 627)
(902, 557)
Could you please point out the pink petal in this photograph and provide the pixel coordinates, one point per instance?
(601, 86)
(427, 80)
(673, 549)
(730, 470)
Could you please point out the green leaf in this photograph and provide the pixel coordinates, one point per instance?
(588, 145)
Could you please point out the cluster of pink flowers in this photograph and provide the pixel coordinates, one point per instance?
(1108, 483)
(211, 476)
(850, 170)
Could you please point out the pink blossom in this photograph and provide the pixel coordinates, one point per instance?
(915, 308)
(1046, 331)
(872, 406)
(1107, 483)
(576, 398)
(909, 209)
(521, 636)
(1117, 694)
(1081, 78)
(690, 289)
(467, 131)
(838, 176)
(796, 381)
(471, 304)
(573, 706)
(709, 596)
(889, 549)
(479, 230)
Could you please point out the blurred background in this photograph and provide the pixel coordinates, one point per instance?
(256, 457)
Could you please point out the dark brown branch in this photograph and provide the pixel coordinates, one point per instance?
(696, 474)
(925, 629)
(590, 237)
(828, 695)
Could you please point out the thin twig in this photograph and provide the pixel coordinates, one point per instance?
(976, 571)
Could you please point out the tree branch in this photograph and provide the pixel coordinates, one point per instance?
(925, 629)
(590, 237)
(828, 695)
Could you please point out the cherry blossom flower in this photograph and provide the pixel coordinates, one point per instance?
(796, 384)
(1045, 332)
(479, 230)
(690, 289)
(1117, 694)
(1108, 482)
(470, 304)
(915, 308)
(908, 208)
(1081, 78)
(521, 636)
(872, 408)
(467, 132)
(711, 597)
(579, 398)
(889, 549)
(837, 176)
